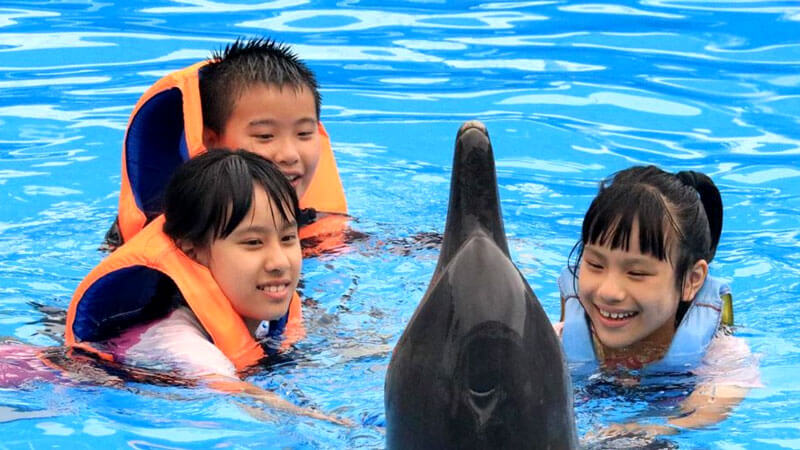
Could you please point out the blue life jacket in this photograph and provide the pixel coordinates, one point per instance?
(689, 345)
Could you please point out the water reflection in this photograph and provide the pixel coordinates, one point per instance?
(341, 20)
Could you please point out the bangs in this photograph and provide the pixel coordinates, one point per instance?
(282, 201)
(243, 179)
(234, 201)
(210, 195)
(611, 216)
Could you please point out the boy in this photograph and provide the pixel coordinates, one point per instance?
(256, 95)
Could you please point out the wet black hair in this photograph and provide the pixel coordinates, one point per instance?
(679, 216)
(245, 63)
(210, 194)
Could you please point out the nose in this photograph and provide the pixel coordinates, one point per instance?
(287, 154)
(276, 260)
(610, 289)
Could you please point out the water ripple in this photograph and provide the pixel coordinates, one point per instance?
(528, 65)
(341, 20)
(627, 101)
(206, 7)
(8, 16)
(617, 10)
(742, 6)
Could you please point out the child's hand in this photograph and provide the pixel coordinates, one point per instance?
(271, 399)
(333, 419)
(265, 415)
(275, 401)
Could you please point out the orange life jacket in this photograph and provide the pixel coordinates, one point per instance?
(166, 129)
(130, 284)
(325, 235)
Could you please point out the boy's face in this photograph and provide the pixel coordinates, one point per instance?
(258, 265)
(630, 297)
(278, 123)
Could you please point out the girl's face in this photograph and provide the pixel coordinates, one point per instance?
(257, 266)
(631, 298)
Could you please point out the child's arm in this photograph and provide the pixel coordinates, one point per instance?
(708, 404)
(179, 343)
(272, 400)
(728, 372)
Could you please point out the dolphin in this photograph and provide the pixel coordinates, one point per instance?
(478, 365)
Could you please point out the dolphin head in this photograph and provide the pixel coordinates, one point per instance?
(478, 365)
(474, 199)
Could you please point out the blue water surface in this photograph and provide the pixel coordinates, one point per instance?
(570, 91)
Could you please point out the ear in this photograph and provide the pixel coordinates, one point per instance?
(210, 138)
(694, 280)
(196, 253)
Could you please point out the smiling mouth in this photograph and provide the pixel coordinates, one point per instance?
(293, 178)
(274, 291)
(616, 315)
(274, 288)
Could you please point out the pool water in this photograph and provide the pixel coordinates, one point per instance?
(570, 92)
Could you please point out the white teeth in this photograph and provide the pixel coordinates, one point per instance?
(614, 315)
(274, 288)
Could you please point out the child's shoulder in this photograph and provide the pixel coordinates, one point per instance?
(175, 342)
(730, 361)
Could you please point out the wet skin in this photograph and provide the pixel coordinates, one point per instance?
(278, 123)
(258, 265)
(632, 299)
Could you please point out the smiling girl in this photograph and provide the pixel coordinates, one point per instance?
(199, 296)
(640, 296)
(203, 290)
(189, 293)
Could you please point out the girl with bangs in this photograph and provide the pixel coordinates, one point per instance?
(206, 291)
(222, 260)
(200, 296)
(640, 298)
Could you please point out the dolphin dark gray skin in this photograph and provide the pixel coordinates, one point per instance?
(478, 365)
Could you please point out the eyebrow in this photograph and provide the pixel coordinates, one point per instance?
(262, 229)
(259, 122)
(628, 261)
(636, 260)
(593, 252)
